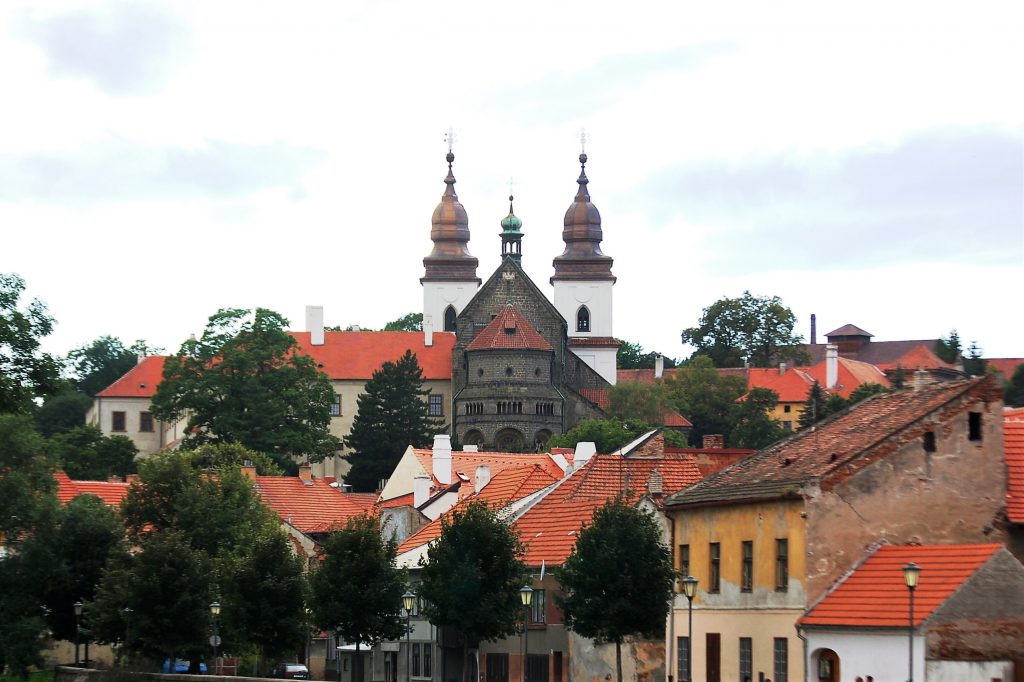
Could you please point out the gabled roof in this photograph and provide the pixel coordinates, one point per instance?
(138, 382)
(508, 330)
(1005, 366)
(1013, 440)
(111, 492)
(837, 446)
(464, 466)
(598, 396)
(791, 385)
(313, 507)
(875, 595)
(888, 355)
(849, 330)
(851, 375)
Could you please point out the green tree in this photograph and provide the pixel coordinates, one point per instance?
(246, 382)
(26, 373)
(865, 391)
(633, 400)
(948, 347)
(86, 454)
(472, 575)
(410, 322)
(26, 476)
(62, 412)
(705, 397)
(217, 456)
(819, 405)
(607, 435)
(357, 554)
(974, 364)
(754, 329)
(632, 356)
(99, 364)
(618, 580)
(392, 415)
(22, 624)
(753, 426)
(1015, 388)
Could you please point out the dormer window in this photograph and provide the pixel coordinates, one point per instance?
(449, 319)
(583, 319)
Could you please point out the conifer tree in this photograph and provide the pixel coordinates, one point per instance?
(820, 404)
(392, 416)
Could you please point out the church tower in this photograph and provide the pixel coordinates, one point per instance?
(583, 283)
(512, 235)
(449, 280)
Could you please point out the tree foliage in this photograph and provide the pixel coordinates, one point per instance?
(410, 322)
(26, 373)
(392, 415)
(472, 575)
(974, 364)
(948, 347)
(1015, 388)
(26, 476)
(97, 365)
(632, 356)
(753, 426)
(618, 580)
(86, 454)
(357, 554)
(246, 382)
(705, 397)
(607, 435)
(633, 400)
(62, 411)
(819, 405)
(217, 456)
(865, 391)
(754, 329)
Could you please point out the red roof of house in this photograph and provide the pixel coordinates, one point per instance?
(464, 466)
(851, 375)
(313, 507)
(508, 330)
(791, 386)
(598, 396)
(1013, 440)
(138, 382)
(111, 492)
(1005, 366)
(875, 595)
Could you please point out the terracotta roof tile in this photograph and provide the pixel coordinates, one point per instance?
(312, 508)
(1013, 440)
(598, 396)
(593, 341)
(508, 330)
(1005, 366)
(138, 382)
(111, 492)
(836, 444)
(851, 375)
(874, 594)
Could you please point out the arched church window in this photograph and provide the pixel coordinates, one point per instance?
(449, 319)
(583, 319)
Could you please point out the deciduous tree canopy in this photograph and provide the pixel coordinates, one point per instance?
(86, 454)
(26, 372)
(99, 364)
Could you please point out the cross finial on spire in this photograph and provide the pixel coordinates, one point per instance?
(511, 183)
(449, 137)
(584, 138)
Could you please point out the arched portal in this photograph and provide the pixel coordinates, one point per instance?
(825, 666)
(509, 440)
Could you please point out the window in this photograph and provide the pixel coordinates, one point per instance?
(682, 656)
(929, 441)
(746, 659)
(782, 565)
(787, 425)
(426, 659)
(973, 425)
(146, 422)
(416, 660)
(714, 577)
(583, 319)
(537, 614)
(336, 406)
(536, 668)
(684, 560)
(436, 405)
(449, 319)
(747, 579)
(117, 421)
(787, 408)
(781, 660)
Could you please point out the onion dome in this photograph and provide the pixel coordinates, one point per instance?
(450, 258)
(582, 258)
(511, 235)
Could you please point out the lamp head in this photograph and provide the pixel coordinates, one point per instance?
(911, 574)
(78, 607)
(408, 599)
(526, 595)
(215, 608)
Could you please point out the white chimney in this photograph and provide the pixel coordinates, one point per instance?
(442, 458)
(428, 330)
(831, 365)
(315, 324)
(471, 448)
(420, 490)
(483, 476)
(782, 368)
(659, 365)
(584, 451)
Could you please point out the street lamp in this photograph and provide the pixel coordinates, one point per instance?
(690, 590)
(215, 639)
(408, 599)
(127, 611)
(526, 596)
(78, 626)
(911, 574)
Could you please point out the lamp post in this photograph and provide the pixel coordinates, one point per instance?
(526, 597)
(78, 626)
(690, 590)
(338, 649)
(215, 639)
(911, 573)
(408, 599)
(127, 611)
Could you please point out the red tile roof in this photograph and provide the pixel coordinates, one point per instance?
(1005, 366)
(138, 382)
(1013, 440)
(874, 594)
(110, 492)
(851, 375)
(508, 330)
(791, 386)
(838, 446)
(312, 508)
(464, 465)
(598, 396)
(593, 341)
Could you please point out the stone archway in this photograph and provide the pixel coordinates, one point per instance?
(509, 440)
(540, 440)
(473, 437)
(825, 666)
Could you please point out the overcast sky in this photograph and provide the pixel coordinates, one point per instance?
(159, 161)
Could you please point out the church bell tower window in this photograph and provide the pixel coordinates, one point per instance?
(449, 319)
(583, 319)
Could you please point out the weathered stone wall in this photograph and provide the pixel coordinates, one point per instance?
(642, 660)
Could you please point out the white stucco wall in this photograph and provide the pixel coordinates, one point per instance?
(881, 654)
(596, 295)
(437, 296)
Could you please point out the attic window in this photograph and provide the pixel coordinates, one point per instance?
(929, 441)
(974, 426)
(510, 326)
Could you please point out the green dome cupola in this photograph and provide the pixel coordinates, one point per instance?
(511, 235)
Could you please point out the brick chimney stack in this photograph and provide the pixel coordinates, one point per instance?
(714, 441)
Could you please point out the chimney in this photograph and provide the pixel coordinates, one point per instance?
(248, 469)
(659, 365)
(782, 368)
(420, 490)
(483, 476)
(584, 451)
(442, 458)
(471, 448)
(656, 484)
(714, 441)
(315, 324)
(428, 331)
(814, 329)
(831, 365)
(921, 378)
(306, 474)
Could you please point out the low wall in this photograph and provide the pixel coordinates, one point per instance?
(64, 673)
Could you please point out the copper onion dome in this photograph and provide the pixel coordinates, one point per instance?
(450, 258)
(582, 258)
